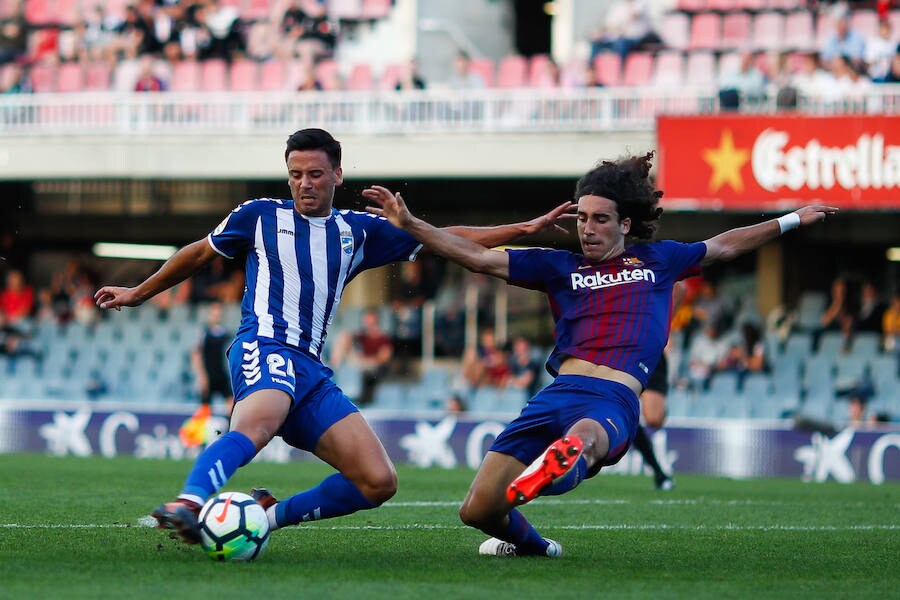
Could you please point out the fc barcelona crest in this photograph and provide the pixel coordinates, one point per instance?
(347, 242)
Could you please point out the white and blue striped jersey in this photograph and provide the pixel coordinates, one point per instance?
(297, 267)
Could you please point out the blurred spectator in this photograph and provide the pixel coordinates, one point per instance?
(880, 50)
(134, 35)
(17, 300)
(811, 80)
(95, 387)
(524, 367)
(627, 27)
(307, 32)
(893, 75)
(455, 404)
(850, 83)
(845, 41)
(858, 392)
(410, 78)
(868, 316)
(310, 82)
(411, 293)
(549, 76)
(486, 364)
(226, 39)
(14, 339)
(218, 281)
(708, 348)
(370, 349)
(837, 316)
(262, 41)
(747, 84)
(210, 374)
(16, 80)
(590, 78)
(746, 354)
(706, 304)
(463, 76)
(890, 325)
(13, 39)
(147, 80)
(450, 331)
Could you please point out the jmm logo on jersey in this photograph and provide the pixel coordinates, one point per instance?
(596, 281)
(286, 231)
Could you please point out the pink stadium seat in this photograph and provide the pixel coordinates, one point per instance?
(512, 72)
(787, 5)
(273, 76)
(728, 62)
(700, 69)
(7, 8)
(67, 12)
(538, 74)
(361, 78)
(255, 10)
(242, 76)
(735, 30)
(798, 31)
(43, 77)
(723, 6)
(752, 4)
(638, 69)
(669, 69)
(485, 68)
(824, 29)
(38, 12)
(328, 74)
(608, 66)
(675, 30)
(376, 9)
(865, 22)
(768, 31)
(186, 76)
(390, 76)
(894, 18)
(690, 5)
(214, 75)
(70, 78)
(705, 32)
(97, 76)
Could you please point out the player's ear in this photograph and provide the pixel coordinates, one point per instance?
(625, 225)
(339, 176)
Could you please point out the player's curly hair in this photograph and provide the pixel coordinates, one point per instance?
(627, 183)
(315, 139)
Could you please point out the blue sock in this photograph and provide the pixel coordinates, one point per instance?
(217, 464)
(569, 481)
(521, 533)
(334, 496)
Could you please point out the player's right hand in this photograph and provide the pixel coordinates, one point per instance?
(111, 296)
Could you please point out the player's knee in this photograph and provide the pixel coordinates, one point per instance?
(474, 515)
(380, 487)
(655, 418)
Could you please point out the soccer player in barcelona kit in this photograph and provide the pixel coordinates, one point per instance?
(612, 305)
(299, 256)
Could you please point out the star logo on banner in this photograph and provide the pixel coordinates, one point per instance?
(67, 434)
(430, 444)
(726, 162)
(826, 457)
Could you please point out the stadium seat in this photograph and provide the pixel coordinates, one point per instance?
(390, 76)
(214, 75)
(350, 10)
(735, 30)
(360, 78)
(70, 78)
(512, 72)
(753, 5)
(485, 68)
(798, 345)
(256, 10)
(185, 76)
(328, 74)
(675, 30)
(638, 69)
(390, 395)
(67, 12)
(824, 29)
(273, 76)
(865, 22)
(38, 12)
(376, 9)
(866, 344)
(798, 31)
(537, 72)
(831, 344)
(768, 31)
(43, 77)
(723, 6)
(98, 76)
(690, 5)
(849, 369)
(608, 66)
(705, 32)
(243, 76)
(669, 69)
(728, 63)
(787, 5)
(700, 69)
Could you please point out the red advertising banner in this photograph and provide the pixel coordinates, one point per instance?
(779, 162)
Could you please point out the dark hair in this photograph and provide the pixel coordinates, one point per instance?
(315, 139)
(627, 183)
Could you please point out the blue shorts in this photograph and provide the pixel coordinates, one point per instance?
(570, 398)
(317, 402)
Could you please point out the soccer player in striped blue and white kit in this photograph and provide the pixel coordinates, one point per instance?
(612, 307)
(299, 255)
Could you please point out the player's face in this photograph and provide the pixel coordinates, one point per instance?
(600, 232)
(312, 180)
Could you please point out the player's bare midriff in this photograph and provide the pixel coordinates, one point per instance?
(577, 366)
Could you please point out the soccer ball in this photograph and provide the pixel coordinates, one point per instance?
(233, 526)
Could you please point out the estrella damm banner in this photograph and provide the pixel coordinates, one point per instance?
(777, 162)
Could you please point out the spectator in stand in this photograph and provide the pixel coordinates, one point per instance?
(524, 367)
(306, 32)
(17, 300)
(226, 40)
(455, 405)
(707, 350)
(370, 349)
(890, 326)
(148, 80)
(811, 80)
(707, 306)
(869, 315)
(14, 341)
(845, 41)
(134, 35)
(850, 83)
(746, 354)
(219, 281)
(627, 27)
(837, 315)
(410, 78)
(746, 85)
(13, 39)
(463, 77)
(310, 82)
(893, 75)
(486, 364)
(411, 294)
(16, 80)
(880, 50)
(449, 331)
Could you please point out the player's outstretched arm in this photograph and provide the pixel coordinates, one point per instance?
(463, 251)
(182, 265)
(497, 235)
(735, 242)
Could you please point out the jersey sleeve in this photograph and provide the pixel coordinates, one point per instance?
(236, 232)
(385, 243)
(529, 268)
(683, 259)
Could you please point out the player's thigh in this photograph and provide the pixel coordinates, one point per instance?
(595, 438)
(653, 407)
(486, 497)
(351, 446)
(260, 415)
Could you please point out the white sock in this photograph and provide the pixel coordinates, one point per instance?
(270, 513)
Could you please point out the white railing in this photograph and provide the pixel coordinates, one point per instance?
(430, 111)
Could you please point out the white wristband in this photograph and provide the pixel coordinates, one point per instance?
(788, 221)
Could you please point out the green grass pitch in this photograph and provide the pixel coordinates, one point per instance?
(69, 529)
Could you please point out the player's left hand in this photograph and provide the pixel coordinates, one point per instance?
(551, 220)
(389, 205)
(814, 213)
